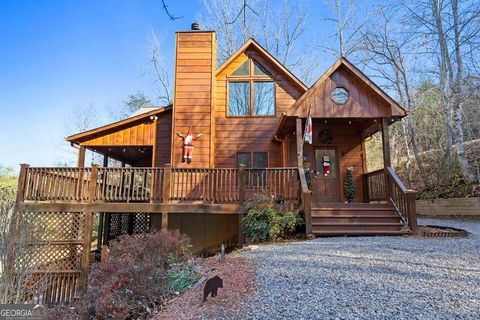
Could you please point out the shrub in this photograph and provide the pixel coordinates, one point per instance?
(268, 224)
(258, 201)
(142, 272)
(161, 248)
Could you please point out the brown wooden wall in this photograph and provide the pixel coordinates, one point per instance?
(163, 139)
(346, 138)
(364, 102)
(193, 94)
(249, 134)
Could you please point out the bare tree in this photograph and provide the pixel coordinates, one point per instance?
(277, 25)
(159, 71)
(348, 28)
(458, 84)
(452, 30)
(386, 54)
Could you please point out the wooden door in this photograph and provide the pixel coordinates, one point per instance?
(325, 186)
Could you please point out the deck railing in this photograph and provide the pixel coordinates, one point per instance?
(129, 184)
(134, 184)
(385, 185)
(375, 185)
(57, 184)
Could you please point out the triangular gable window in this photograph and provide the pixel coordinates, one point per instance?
(259, 70)
(243, 69)
(250, 67)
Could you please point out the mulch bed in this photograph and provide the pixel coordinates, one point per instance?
(238, 285)
(430, 231)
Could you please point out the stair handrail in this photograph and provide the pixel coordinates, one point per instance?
(402, 199)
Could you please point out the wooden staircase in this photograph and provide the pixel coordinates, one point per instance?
(355, 219)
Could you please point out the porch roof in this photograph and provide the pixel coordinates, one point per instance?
(366, 105)
(367, 126)
(366, 99)
(137, 118)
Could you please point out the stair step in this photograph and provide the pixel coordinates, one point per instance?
(334, 214)
(349, 227)
(356, 218)
(360, 233)
(352, 208)
(350, 205)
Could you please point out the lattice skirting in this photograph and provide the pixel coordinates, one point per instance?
(47, 257)
(117, 224)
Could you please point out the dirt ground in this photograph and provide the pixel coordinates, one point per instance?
(238, 284)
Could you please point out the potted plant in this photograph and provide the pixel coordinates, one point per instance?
(349, 188)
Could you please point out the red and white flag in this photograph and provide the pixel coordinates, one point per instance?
(309, 131)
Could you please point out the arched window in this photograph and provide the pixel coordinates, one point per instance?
(251, 91)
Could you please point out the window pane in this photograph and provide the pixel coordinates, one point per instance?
(263, 103)
(238, 98)
(260, 159)
(242, 70)
(258, 69)
(244, 158)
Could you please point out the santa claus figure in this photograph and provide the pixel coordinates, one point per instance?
(326, 165)
(188, 140)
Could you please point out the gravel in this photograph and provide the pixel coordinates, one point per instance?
(368, 278)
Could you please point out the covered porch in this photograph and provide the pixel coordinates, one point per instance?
(346, 108)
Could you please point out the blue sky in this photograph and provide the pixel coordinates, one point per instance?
(57, 55)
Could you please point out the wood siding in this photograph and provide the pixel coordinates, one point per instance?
(364, 102)
(250, 134)
(193, 95)
(163, 140)
(134, 134)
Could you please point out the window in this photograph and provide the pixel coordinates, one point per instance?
(245, 159)
(254, 160)
(263, 95)
(243, 70)
(251, 91)
(340, 95)
(239, 98)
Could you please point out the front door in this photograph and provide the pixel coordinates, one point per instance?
(325, 175)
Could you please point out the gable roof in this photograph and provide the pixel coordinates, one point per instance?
(397, 109)
(252, 43)
(82, 136)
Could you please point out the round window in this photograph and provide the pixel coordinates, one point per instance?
(340, 95)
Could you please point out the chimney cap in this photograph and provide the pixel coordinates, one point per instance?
(196, 26)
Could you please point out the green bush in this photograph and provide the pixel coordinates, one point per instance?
(268, 224)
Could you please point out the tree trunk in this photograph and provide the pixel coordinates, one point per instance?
(458, 97)
(445, 74)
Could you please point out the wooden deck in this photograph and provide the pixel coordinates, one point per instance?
(67, 199)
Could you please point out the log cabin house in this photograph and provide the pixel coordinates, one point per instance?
(251, 111)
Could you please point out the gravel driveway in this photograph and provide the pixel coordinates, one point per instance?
(369, 278)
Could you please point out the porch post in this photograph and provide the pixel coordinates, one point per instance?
(387, 162)
(87, 231)
(167, 180)
(105, 161)
(241, 201)
(299, 135)
(81, 157)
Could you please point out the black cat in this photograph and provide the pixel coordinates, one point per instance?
(212, 286)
